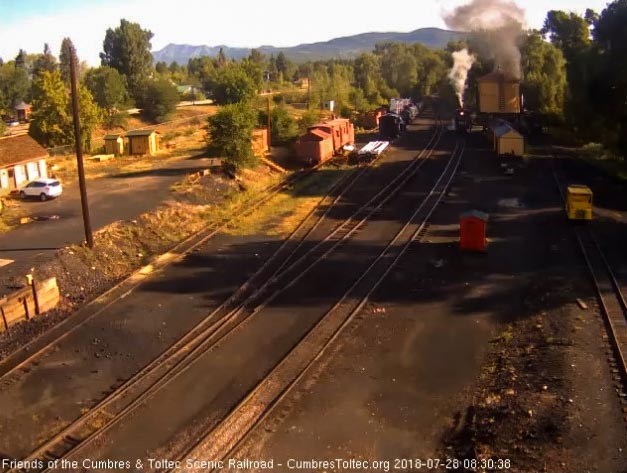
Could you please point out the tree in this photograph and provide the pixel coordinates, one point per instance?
(307, 119)
(20, 60)
(91, 115)
(158, 99)
(127, 49)
(232, 84)
(108, 88)
(609, 86)
(202, 70)
(161, 67)
(230, 134)
(221, 60)
(284, 66)
(50, 118)
(257, 57)
(544, 76)
(52, 123)
(14, 86)
(44, 62)
(567, 31)
(67, 50)
(283, 127)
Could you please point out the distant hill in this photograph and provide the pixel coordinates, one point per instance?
(345, 47)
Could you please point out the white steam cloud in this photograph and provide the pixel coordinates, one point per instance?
(462, 62)
(502, 20)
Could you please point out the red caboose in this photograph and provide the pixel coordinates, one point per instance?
(341, 129)
(325, 139)
(315, 146)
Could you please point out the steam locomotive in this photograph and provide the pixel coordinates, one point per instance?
(463, 120)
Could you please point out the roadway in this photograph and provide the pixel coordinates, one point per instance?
(58, 223)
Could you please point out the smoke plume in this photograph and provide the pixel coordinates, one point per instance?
(502, 20)
(462, 62)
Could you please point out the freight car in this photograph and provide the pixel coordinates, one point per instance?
(391, 126)
(409, 113)
(323, 140)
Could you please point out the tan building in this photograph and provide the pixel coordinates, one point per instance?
(508, 141)
(114, 144)
(22, 159)
(499, 93)
(143, 142)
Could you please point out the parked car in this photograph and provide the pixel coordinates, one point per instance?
(43, 189)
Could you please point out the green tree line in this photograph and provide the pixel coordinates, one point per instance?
(573, 71)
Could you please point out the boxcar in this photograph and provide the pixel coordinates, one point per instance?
(578, 202)
(391, 126)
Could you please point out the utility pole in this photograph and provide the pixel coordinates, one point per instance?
(308, 92)
(268, 110)
(78, 140)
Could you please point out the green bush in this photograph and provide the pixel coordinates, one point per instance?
(158, 99)
(116, 120)
(309, 118)
(283, 127)
(230, 134)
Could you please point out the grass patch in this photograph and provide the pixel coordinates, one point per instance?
(8, 215)
(507, 336)
(66, 169)
(282, 214)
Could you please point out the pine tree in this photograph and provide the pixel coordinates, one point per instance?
(67, 49)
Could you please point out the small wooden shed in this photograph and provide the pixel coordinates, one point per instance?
(508, 141)
(472, 230)
(143, 142)
(23, 111)
(114, 144)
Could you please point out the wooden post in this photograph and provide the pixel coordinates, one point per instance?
(79, 151)
(25, 303)
(4, 319)
(35, 296)
(268, 106)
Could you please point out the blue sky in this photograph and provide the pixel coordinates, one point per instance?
(28, 24)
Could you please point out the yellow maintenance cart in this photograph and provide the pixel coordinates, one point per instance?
(579, 202)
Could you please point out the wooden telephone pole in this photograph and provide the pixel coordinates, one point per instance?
(78, 140)
(268, 110)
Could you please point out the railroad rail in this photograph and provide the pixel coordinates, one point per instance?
(39, 346)
(224, 319)
(224, 439)
(607, 288)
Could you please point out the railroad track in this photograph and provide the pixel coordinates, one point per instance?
(607, 289)
(224, 439)
(72, 439)
(29, 352)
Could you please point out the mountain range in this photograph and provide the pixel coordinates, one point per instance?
(344, 47)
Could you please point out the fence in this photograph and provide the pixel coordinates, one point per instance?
(28, 302)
